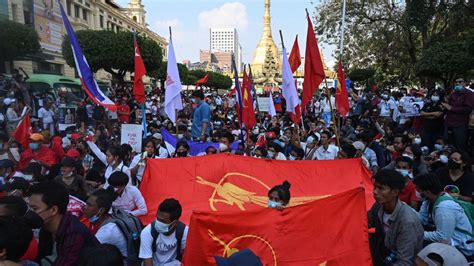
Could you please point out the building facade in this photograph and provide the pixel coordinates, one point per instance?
(45, 17)
(226, 40)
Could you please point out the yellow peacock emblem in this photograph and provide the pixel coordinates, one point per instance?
(228, 193)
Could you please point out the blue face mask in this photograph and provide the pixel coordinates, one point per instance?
(34, 146)
(438, 147)
(458, 87)
(404, 172)
(95, 218)
(273, 204)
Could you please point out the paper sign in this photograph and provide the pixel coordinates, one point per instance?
(132, 135)
(263, 104)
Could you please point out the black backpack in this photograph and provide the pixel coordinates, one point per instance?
(179, 236)
(131, 227)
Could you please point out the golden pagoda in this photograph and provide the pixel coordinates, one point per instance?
(266, 48)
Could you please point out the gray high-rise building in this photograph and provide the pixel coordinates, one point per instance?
(226, 40)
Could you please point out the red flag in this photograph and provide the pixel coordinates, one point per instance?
(248, 114)
(329, 231)
(313, 67)
(296, 117)
(342, 99)
(203, 80)
(140, 72)
(237, 183)
(23, 131)
(295, 56)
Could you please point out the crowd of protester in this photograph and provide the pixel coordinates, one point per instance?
(69, 196)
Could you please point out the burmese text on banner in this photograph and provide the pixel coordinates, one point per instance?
(225, 182)
(329, 231)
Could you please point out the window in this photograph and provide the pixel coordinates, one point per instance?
(135, 18)
(101, 21)
(68, 6)
(76, 11)
(84, 14)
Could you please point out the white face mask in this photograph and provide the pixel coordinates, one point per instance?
(223, 147)
(291, 158)
(273, 204)
(270, 154)
(28, 177)
(161, 227)
(407, 155)
(180, 136)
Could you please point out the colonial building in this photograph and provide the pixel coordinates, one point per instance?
(45, 17)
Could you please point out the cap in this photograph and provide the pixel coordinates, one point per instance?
(270, 134)
(450, 255)
(36, 137)
(75, 136)
(73, 153)
(158, 136)
(8, 101)
(359, 145)
(68, 162)
(15, 183)
(243, 257)
(6, 163)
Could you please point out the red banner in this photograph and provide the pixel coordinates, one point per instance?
(329, 231)
(226, 182)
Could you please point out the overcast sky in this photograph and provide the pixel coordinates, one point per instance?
(191, 20)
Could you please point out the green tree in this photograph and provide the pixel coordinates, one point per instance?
(114, 52)
(391, 36)
(17, 41)
(445, 61)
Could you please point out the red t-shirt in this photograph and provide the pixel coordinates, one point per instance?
(124, 118)
(409, 193)
(44, 155)
(32, 251)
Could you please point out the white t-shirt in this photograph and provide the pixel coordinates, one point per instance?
(111, 234)
(166, 247)
(47, 115)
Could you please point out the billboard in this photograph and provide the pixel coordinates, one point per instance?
(48, 24)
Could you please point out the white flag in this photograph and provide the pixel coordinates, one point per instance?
(173, 100)
(288, 87)
(272, 106)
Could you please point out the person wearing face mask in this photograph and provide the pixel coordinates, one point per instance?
(387, 105)
(297, 154)
(225, 141)
(458, 174)
(404, 165)
(182, 149)
(113, 159)
(137, 166)
(62, 236)
(279, 196)
(37, 152)
(432, 115)
(163, 242)
(201, 117)
(129, 198)
(459, 107)
(326, 150)
(74, 183)
(6, 170)
(440, 211)
(310, 147)
(100, 221)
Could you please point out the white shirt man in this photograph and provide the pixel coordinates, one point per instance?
(47, 117)
(110, 234)
(166, 247)
(327, 154)
(387, 105)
